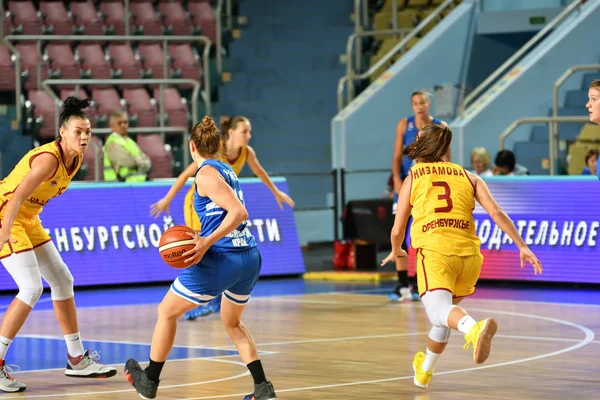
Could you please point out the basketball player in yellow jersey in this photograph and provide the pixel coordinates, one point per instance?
(26, 250)
(235, 135)
(441, 196)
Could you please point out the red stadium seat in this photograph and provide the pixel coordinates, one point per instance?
(7, 69)
(123, 60)
(107, 100)
(29, 63)
(62, 61)
(44, 107)
(174, 107)
(25, 17)
(93, 61)
(86, 18)
(145, 19)
(56, 17)
(114, 16)
(162, 160)
(185, 61)
(140, 104)
(175, 18)
(203, 15)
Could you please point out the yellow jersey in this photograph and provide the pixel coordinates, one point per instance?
(443, 198)
(50, 188)
(239, 162)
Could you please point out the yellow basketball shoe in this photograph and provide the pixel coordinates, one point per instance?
(480, 336)
(422, 378)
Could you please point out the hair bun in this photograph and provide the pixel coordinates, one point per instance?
(207, 124)
(73, 103)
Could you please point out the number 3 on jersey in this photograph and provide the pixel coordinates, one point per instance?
(444, 197)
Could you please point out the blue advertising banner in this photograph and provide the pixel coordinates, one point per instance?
(559, 219)
(106, 235)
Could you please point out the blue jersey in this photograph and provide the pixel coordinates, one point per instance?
(410, 135)
(211, 215)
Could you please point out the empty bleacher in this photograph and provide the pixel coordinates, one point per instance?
(107, 60)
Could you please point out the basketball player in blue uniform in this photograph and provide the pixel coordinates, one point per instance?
(406, 133)
(224, 260)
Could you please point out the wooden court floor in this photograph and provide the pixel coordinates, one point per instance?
(346, 346)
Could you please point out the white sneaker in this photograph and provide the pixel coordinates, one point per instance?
(7, 382)
(400, 294)
(87, 366)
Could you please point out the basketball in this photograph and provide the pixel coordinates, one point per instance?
(174, 243)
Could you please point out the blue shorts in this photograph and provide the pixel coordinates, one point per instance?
(233, 273)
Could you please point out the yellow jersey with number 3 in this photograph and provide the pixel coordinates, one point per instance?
(443, 198)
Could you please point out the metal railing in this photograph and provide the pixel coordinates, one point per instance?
(347, 82)
(100, 38)
(361, 15)
(219, 38)
(552, 142)
(503, 69)
(352, 39)
(102, 131)
(559, 82)
(344, 172)
(95, 82)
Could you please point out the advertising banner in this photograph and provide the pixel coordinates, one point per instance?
(106, 235)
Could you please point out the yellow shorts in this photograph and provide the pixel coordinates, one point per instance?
(189, 214)
(29, 234)
(456, 274)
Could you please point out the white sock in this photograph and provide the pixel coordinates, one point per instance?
(74, 345)
(4, 343)
(431, 359)
(466, 323)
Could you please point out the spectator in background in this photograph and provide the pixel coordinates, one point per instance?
(591, 160)
(480, 162)
(506, 164)
(123, 159)
(593, 105)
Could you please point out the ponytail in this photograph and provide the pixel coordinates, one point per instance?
(431, 145)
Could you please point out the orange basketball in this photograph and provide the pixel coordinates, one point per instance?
(173, 243)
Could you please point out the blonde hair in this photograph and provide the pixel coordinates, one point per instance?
(483, 155)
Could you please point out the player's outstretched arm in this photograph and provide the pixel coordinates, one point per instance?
(163, 204)
(489, 204)
(260, 172)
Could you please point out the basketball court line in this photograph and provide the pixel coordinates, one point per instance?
(284, 297)
(369, 293)
(199, 347)
(589, 337)
(391, 335)
(228, 378)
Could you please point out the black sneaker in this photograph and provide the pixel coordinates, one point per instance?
(263, 391)
(139, 379)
